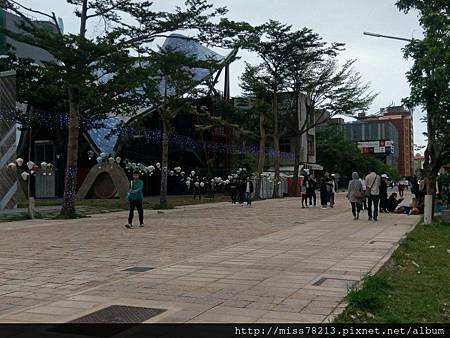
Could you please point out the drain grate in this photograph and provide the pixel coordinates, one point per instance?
(139, 269)
(334, 280)
(119, 314)
(319, 282)
(373, 242)
(120, 318)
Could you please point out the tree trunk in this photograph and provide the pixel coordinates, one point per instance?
(276, 146)
(70, 183)
(297, 151)
(262, 154)
(164, 164)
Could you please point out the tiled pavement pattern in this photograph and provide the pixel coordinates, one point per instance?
(273, 262)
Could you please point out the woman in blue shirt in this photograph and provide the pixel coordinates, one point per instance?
(135, 197)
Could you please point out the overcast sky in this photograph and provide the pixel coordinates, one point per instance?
(380, 61)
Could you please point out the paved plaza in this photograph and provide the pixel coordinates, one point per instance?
(274, 262)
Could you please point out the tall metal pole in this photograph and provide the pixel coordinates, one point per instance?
(428, 202)
(376, 35)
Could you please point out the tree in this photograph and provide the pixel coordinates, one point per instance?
(329, 90)
(258, 101)
(95, 71)
(279, 48)
(429, 79)
(171, 72)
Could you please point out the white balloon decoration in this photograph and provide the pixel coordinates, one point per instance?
(30, 164)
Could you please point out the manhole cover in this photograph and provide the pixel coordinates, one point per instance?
(139, 269)
(120, 317)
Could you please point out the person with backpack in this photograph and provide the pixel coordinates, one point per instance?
(373, 182)
(135, 198)
(355, 195)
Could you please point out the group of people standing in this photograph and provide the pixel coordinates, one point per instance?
(241, 190)
(327, 188)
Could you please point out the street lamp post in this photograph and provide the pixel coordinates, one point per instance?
(376, 35)
(428, 202)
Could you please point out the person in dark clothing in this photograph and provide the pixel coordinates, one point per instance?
(312, 190)
(233, 191)
(323, 194)
(211, 189)
(241, 192)
(401, 188)
(197, 191)
(392, 202)
(306, 186)
(135, 197)
(383, 194)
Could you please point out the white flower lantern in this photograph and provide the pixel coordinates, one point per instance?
(11, 165)
(19, 161)
(25, 175)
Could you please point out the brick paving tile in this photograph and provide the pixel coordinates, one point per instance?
(217, 263)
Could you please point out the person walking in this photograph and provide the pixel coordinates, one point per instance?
(135, 197)
(248, 191)
(383, 193)
(373, 182)
(364, 199)
(355, 195)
